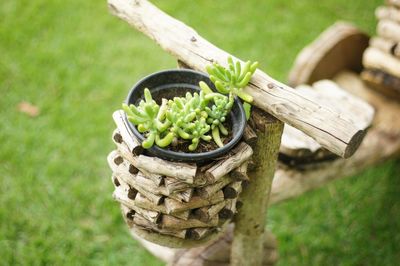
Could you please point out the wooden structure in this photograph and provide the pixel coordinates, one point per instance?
(174, 204)
(382, 58)
(328, 132)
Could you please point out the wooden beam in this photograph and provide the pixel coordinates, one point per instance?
(306, 114)
(247, 243)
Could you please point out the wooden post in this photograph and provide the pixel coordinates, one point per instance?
(248, 238)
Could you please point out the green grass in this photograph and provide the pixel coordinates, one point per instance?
(76, 62)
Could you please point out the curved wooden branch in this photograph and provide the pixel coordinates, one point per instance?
(306, 114)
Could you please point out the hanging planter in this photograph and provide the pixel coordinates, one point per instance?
(178, 171)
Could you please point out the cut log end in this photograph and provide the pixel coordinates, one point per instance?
(354, 143)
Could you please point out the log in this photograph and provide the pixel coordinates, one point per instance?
(298, 149)
(207, 191)
(121, 196)
(387, 13)
(110, 160)
(232, 190)
(172, 223)
(383, 82)
(182, 171)
(381, 143)
(249, 136)
(376, 59)
(128, 178)
(198, 233)
(133, 160)
(247, 243)
(339, 47)
(229, 210)
(386, 46)
(142, 202)
(240, 173)
(174, 206)
(145, 224)
(214, 253)
(205, 214)
(239, 154)
(171, 241)
(124, 130)
(123, 149)
(389, 30)
(174, 185)
(128, 214)
(395, 3)
(186, 45)
(184, 195)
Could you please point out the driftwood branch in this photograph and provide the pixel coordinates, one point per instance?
(306, 114)
(239, 155)
(208, 191)
(126, 134)
(182, 171)
(142, 202)
(240, 173)
(174, 206)
(205, 214)
(249, 136)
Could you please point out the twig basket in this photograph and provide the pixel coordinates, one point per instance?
(171, 203)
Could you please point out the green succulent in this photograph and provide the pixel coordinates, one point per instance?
(233, 79)
(149, 118)
(218, 112)
(187, 116)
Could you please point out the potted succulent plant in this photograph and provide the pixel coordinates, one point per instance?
(184, 115)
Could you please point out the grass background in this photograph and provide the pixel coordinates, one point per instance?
(76, 62)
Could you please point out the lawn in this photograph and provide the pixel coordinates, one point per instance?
(76, 63)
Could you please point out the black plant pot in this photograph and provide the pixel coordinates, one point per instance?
(170, 83)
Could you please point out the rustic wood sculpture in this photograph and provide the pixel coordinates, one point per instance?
(191, 220)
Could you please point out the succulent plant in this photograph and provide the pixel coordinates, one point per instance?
(217, 112)
(232, 79)
(187, 116)
(149, 118)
